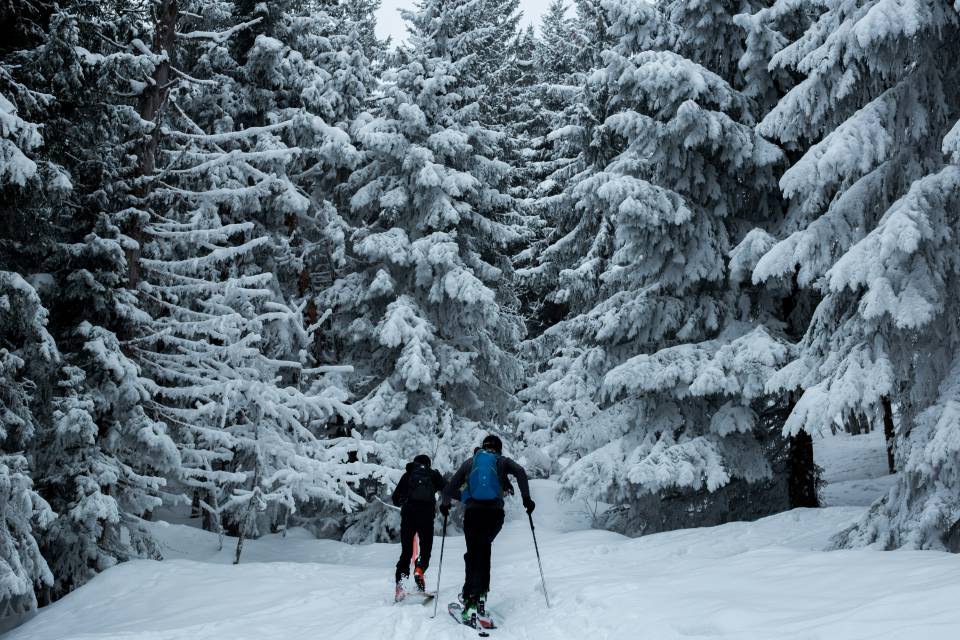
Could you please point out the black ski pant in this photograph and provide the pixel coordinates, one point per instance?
(480, 527)
(415, 519)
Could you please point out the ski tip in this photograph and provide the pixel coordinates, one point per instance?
(415, 596)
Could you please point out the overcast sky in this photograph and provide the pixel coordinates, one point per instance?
(389, 22)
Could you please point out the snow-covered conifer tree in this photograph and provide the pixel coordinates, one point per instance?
(93, 469)
(98, 455)
(524, 117)
(360, 19)
(27, 354)
(24, 513)
(227, 352)
(305, 68)
(767, 32)
(498, 64)
(556, 48)
(572, 147)
(549, 61)
(426, 314)
(30, 184)
(657, 378)
(559, 75)
(171, 225)
(868, 229)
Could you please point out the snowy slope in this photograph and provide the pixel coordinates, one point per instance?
(764, 580)
(854, 468)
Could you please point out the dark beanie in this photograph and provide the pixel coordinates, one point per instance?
(493, 443)
(422, 459)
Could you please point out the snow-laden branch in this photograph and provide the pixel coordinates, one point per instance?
(229, 136)
(219, 36)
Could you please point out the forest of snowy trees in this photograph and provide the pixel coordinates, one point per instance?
(253, 259)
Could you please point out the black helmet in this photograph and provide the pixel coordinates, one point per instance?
(423, 459)
(493, 443)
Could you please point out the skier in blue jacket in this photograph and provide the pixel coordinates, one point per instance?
(480, 483)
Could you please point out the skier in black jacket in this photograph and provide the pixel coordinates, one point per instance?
(415, 497)
(483, 518)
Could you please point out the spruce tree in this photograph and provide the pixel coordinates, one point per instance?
(868, 231)
(101, 459)
(167, 232)
(572, 147)
(228, 350)
(767, 32)
(27, 355)
(657, 382)
(426, 313)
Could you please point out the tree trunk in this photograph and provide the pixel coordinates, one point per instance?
(857, 424)
(210, 520)
(151, 102)
(802, 472)
(888, 432)
(236, 559)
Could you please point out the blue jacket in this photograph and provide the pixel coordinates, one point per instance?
(505, 466)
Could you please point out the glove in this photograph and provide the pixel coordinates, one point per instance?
(445, 510)
(529, 505)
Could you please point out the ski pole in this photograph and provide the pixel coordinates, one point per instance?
(539, 564)
(443, 539)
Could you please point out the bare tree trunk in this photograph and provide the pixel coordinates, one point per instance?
(236, 558)
(857, 424)
(249, 519)
(888, 432)
(802, 472)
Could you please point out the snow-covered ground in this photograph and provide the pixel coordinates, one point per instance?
(766, 580)
(854, 468)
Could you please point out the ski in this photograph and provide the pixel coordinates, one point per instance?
(483, 625)
(423, 597)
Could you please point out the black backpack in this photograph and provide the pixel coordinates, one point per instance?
(420, 484)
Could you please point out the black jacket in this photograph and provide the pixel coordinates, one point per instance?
(505, 466)
(401, 493)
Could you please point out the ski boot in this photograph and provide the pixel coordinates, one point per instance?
(469, 615)
(419, 579)
(399, 593)
(484, 621)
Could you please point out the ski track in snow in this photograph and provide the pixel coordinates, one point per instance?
(765, 580)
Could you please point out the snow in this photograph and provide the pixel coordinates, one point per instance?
(739, 581)
(15, 167)
(854, 468)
